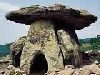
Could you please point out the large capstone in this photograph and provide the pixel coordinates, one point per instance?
(65, 16)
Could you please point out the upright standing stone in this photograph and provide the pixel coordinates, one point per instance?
(70, 47)
(16, 49)
(41, 36)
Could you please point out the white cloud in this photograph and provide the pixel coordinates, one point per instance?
(99, 20)
(7, 7)
(27, 27)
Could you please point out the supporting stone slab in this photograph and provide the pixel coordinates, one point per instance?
(69, 45)
(41, 37)
(16, 50)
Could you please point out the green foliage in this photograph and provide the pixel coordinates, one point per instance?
(4, 50)
(95, 43)
(90, 44)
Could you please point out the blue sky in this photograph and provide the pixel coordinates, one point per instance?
(10, 31)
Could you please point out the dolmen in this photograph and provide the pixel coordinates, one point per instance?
(51, 42)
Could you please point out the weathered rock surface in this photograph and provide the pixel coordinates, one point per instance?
(5, 59)
(17, 46)
(42, 41)
(92, 69)
(16, 49)
(67, 17)
(69, 47)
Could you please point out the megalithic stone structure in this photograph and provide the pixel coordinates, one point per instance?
(51, 42)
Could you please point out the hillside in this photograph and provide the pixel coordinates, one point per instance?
(4, 50)
(90, 44)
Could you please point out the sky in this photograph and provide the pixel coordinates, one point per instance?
(10, 31)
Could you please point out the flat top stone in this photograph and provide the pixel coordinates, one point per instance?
(65, 17)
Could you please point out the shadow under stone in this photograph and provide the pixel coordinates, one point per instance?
(38, 65)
